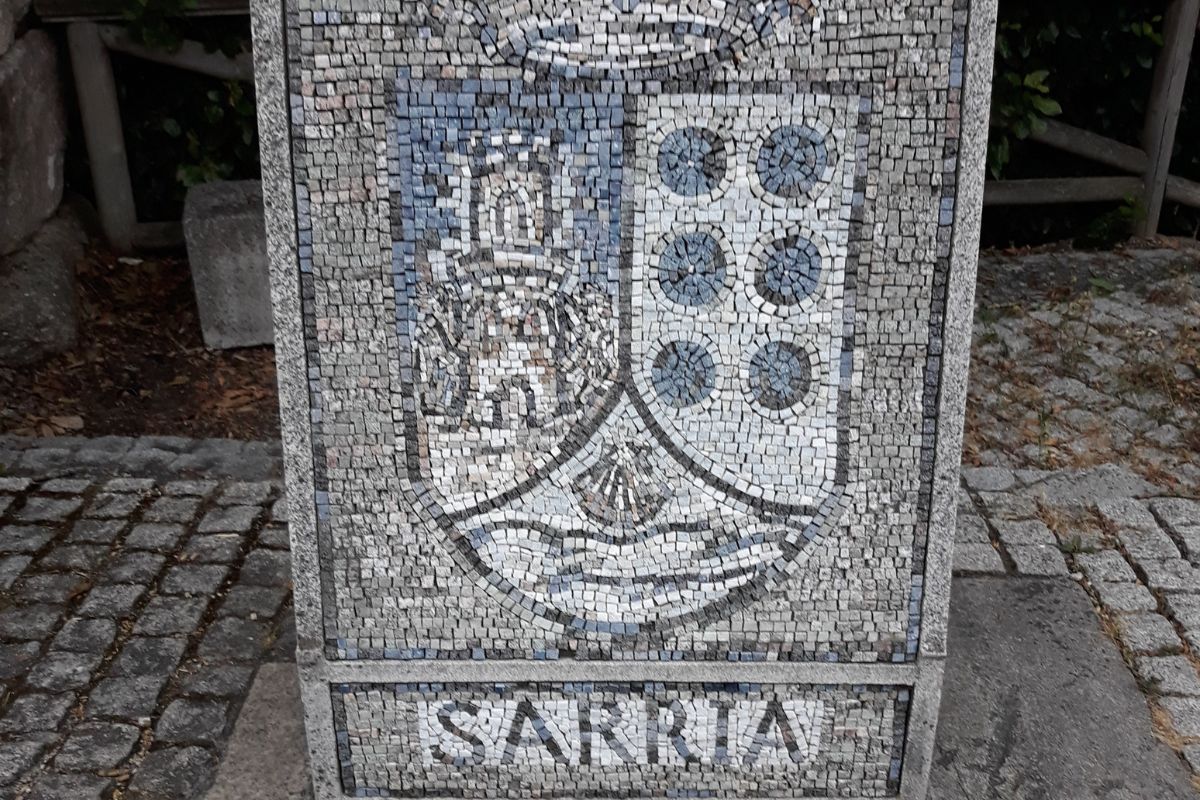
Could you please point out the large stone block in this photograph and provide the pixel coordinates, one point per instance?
(32, 137)
(226, 244)
(37, 285)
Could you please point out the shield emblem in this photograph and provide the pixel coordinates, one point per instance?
(626, 338)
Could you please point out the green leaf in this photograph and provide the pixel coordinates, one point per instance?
(1037, 80)
(171, 127)
(1102, 285)
(1047, 106)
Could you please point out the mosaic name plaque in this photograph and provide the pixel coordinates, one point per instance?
(621, 349)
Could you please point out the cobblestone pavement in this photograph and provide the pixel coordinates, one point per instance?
(1082, 458)
(134, 611)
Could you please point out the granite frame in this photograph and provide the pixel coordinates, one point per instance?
(318, 671)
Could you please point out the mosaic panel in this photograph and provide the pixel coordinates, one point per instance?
(619, 740)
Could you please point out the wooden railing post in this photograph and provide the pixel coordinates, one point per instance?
(98, 106)
(1162, 112)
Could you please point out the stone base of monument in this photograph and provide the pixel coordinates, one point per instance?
(1019, 713)
(227, 251)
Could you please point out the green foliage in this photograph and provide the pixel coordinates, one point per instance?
(186, 128)
(1021, 98)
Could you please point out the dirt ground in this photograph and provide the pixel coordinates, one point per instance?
(140, 366)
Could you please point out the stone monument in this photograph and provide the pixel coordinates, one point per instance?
(622, 349)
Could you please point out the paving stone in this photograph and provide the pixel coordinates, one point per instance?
(1170, 575)
(1127, 513)
(171, 773)
(61, 671)
(1006, 505)
(82, 557)
(140, 485)
(1125, 597)
(166, 615)
(989, 479)
(1024, 532)
(187, 721)
(266, 568)
(134, 567)
(112, 601)
(246, 493)
(263, 602)
(1148, 633)
(155, 536)
(1107, 565)
(112, 505)
(1097, 484)
(52, 786)
(16, 658)
(171, 509)
(238, 519)
(24, 538)
(1184, 714)
(96, 531)
(13, 484)
(213, 548)
(274, 536)
(1038, 560)
(189, 488)
(144, 655)
(36, 712)
(198, 579)
(6, 502)
(1148, 544)
(279, 510)
(52, 587)
(85, 635)
(1185, 609)
(96, 746)
(48, 509)
(131, 698)
(1177, 512)
(978, 558)
(969, 529)
(1191, 754)
(11, 568)
(219, 680)
(233, 639)
(18, 756)
(1170, 674)
(26, 623)
(66, 485)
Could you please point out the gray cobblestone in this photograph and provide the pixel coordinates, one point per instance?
(263, 602)
(113, 601)
(1148, 544)
(254, 493)
(187, 721)
(61, 671)
(16, 658)
(1125, 597)
(155, 536)
(1107, 566)
(171, 773)
(12, 484)
(219, 680)
(52, 786)
(275, 536)
(18, 756)
(1148, 633)
(234, 639)
(1184, 714)
(143, 656)
(970, 557)
(134, 567)
(6, 502)
(24, 538)
(267, 568)
(11, 568)
(189, 488)
(213, 548)
(1170, 575)
(66, 486)
(112, 505)
(199, 579)
(35, 712)
(25, 623)
(129, 485)
(1024, 532)
(81, 557)
(1127, 513)
(94, 531)
(47, 509)
(171, 509)
(86, 635)
(125, 697)
(1038, 560)
(225, 519)
(989, 479)
(1169, 674)
(163, 616)
(96, 746)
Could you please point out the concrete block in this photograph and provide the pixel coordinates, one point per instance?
(38, 314)
(227, 250)
(32, 138)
